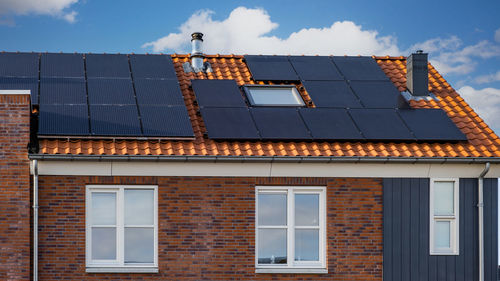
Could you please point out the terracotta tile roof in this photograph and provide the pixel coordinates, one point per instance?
(482, 141)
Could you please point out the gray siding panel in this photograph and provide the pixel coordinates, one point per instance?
(406, 233)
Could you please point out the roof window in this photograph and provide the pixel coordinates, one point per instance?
(275, 95)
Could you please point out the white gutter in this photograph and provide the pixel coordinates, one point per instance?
(35, 220)
(480, 205)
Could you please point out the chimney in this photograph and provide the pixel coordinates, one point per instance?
(417, 79)
(197, 56)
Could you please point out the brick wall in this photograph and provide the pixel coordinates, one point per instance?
(207, 228)
(14, 188)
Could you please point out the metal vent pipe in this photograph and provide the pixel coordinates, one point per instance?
(197, 51)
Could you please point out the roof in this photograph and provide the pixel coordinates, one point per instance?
(482, 141)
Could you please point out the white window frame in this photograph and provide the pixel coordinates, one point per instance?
(293, 92)
(453, 219)
(118, 265)
(293, 266)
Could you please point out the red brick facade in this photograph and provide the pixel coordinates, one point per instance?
(207, 228)
(14, 188)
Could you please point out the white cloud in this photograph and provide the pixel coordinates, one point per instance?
(247, 31)
(56, 8)
(488, 78)
(486, 103)
(497, 35)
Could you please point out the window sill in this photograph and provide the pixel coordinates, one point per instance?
(292, 270)
(128, 269)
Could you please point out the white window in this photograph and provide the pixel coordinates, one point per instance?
(275, 95)
(444, 224)
(121, 228)
(290, 229)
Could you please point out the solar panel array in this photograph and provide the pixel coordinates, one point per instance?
(102, 95)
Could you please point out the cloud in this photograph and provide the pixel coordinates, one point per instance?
(248, 31)
(486, 103)
(497, 35)
(488, 78)
(55, 8)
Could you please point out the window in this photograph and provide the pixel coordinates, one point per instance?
(121, 229)
(275, 95)
(444, 217)
(290, 229)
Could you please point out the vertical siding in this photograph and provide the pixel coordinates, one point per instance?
(406, 233)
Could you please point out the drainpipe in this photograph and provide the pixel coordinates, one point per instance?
(480, 205)
(35, 220)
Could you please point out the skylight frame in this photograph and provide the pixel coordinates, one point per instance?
(293, 90)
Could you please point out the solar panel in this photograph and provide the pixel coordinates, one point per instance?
(279, 123)
(14, 83)
(165, 121)
(331, 94)
(110, 91)
(19, 65)
(63, 120)
(431, 124)
(229, 123)
(218, 93)
(63, 91)
(158, 92)
(330, 124)
(114, 120)
(377, 94)
(359, 68)
(62, 65)
(271, 68)
(152, 66)
(380, 124)
(107, 66)
(315, 68)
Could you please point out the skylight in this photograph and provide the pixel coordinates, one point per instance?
(276, 95)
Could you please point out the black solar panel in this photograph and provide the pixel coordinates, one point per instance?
(330, 124)
(218, 93)
(158, 92)
(63, 120)
(166, 121)
(14, 83)
(377, 94)
(63, 91)
(271, 68)
(229, 123)
(279, 123)
(152, 66)
(110, 91)
(19, 65)
(107, 66)
(359, 68)
(315, 68)
(380, 124)
(431, 124)
(62, 65)
(331, 94)
(114, 120)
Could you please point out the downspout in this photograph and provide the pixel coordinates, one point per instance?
(480, 206)
(35, 220)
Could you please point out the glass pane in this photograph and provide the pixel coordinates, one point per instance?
(139, 207)
(307, 245)
(272, 209)
(443, 198)
(306, 209)
(103, 208)
(139, 245)
(103, 243)
(278, 96)
(442, 232)
(272, 246)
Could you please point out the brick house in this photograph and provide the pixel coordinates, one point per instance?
(226, 167)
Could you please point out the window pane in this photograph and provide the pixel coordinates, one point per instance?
(103, 243)
(306, 209)
(443, 198)
(139, 207)
(272, 209)
(276, 96)
(442, 232)
(307, 245)
(272, 246)
(139, 245)
(103, 208)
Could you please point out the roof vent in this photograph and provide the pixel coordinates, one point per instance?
(197, 56)
(417, 79)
